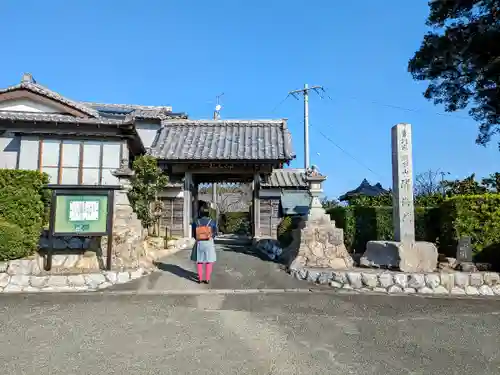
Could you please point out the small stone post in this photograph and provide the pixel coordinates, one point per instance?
(402, 184)
(315, 181)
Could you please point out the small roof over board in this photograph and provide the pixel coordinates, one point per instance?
(366, 189)
(286, 178)
(223, 141)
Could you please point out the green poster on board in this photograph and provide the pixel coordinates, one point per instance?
(81, 214)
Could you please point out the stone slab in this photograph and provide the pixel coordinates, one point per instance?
(418, 256)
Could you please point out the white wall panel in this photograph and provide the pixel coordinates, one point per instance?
(50, 152)
(90, 176)
(28, 157)
(91, 154)
(71, 153)
(108, 178)
(52, 172)
(111, 155)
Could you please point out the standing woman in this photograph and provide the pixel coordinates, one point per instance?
(204, 249)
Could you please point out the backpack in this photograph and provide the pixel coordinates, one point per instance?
(203, 232)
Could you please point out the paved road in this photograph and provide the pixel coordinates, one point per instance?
(292, 333)
(237, 267)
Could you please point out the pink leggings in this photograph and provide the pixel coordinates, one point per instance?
(208, 270)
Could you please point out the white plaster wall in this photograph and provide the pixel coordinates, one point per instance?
(27, 105)
(10, 145)
(147, 132)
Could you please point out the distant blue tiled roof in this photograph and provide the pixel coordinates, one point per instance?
(365, 189)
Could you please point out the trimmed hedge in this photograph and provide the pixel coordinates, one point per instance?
(477, 216)
(23, 203)
(12, 244)
(362, 224)
(235, 222)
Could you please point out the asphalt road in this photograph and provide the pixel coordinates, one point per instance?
(238, 267)
(294, 333)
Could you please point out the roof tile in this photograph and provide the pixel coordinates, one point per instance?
(286, 178)
(223, 140)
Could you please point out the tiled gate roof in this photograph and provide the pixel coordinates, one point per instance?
(223, 140)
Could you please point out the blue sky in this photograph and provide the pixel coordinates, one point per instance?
(184, 53)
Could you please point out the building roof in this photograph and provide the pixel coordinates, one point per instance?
(102, 111)
(60, 118)
(365, 189)
(147, 112)
(285, 178)
(223, 140)
(29, 84)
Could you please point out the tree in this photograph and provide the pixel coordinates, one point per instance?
(492, 182)
(461, 59)
(467, 186)
(329, 203)
(428, 183)
(230, 197)
(147, 180)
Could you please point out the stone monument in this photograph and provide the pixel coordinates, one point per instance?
(404, 252)
(317, 243)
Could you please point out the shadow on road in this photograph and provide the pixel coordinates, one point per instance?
(177, 270)
(239, 245)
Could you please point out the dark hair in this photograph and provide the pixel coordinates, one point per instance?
(204, 211)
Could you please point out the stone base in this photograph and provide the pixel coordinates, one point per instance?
(395, 282)
(418, 256)
(318, 243)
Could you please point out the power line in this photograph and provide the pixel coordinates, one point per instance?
(280, 103)
(348, 154)
(393, 106)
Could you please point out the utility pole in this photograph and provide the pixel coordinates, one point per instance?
(305, 93)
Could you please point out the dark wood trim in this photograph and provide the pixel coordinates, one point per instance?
(111, 206)
(121, 152)
(40, 153)
(80, 164)
(59, 169)
(101, 157)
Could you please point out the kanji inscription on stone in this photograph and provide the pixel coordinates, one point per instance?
(402, 182)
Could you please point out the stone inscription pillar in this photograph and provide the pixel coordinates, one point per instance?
(402, 184)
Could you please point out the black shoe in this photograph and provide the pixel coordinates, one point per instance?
(206, 282)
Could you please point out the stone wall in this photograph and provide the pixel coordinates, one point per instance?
(393, 282)
(66, 283)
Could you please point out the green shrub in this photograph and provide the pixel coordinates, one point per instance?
(23, 202)
(285, 230)
(12, 244)
(235, 222)
(477, 216)
(362, 224)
